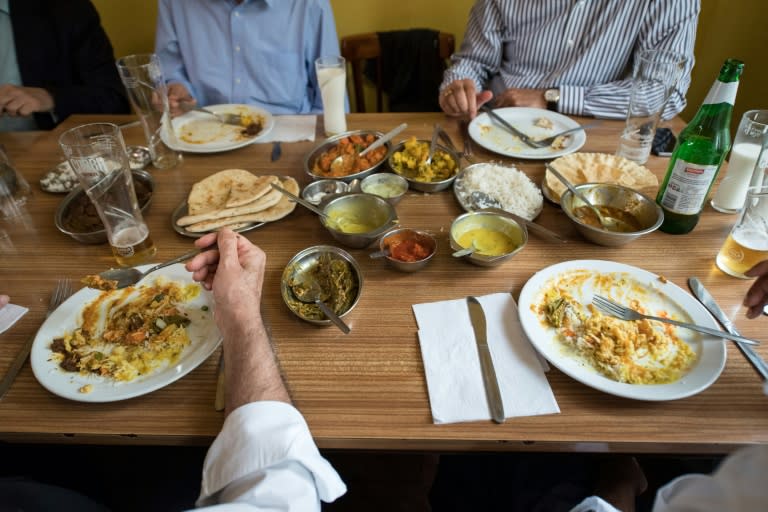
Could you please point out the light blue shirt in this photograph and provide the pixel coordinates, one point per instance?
(9, 70)
(261, 52)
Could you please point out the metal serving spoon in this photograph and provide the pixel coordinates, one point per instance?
(130, 276)
(309, 292)
(609, 223)
(466, 251)
(481, 200)
(342, 163)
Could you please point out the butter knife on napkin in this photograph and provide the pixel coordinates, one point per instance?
(492, 393)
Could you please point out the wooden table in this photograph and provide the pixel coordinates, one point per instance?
(367, 390)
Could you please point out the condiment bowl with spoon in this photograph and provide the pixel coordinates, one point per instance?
(496, 237)
(342, 164)
(309, 291)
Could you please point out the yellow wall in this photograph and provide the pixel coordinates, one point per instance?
(724, 31)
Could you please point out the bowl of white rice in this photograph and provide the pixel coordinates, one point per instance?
(487, 185)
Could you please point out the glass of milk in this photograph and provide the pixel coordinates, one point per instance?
(332, 77)
(730, 194)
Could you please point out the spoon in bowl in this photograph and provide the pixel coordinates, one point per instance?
(466, 251)
(309, 292)
(343, 163)
(480, 200)
(608, 222)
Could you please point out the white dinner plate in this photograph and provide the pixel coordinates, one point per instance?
(655, 293)
(203, 334)
(493, 137)
(198, 132)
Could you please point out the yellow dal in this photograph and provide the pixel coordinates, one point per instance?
(488, 242)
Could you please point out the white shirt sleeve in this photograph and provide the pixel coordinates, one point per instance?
(264, 459)
(594, 504)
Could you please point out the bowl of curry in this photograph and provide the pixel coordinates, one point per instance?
(319, 162)
(408, 250)
(409, 160)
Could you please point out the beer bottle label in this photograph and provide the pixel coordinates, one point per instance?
(687, 187)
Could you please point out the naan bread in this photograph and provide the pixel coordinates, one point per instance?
(283, 207)
(244, 192)
(581, 168)
(214, 192)
(271, 198)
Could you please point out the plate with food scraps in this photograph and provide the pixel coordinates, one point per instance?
(536, 123)
(658, 361)
(165, 324)
(198, 132)
(488, 185)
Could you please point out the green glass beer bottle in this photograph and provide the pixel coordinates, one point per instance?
(700, 150)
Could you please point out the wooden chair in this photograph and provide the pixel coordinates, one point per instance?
(356, 49)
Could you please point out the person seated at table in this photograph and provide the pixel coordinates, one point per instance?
(55, 60)
(264, 455)
(256, 52)
(572, 56)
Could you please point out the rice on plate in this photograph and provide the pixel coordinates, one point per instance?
(510, 187)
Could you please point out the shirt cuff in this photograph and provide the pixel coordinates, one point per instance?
(571, 100)
(594, 504)
(262, 436)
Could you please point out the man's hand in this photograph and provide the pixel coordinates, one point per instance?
(16, 101)
(179, 99)
(757, 295)
(4, 299)
(460, 98)
(521, 98)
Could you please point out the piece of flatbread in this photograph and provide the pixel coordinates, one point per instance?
(214, 192)
(276, 212)
(269, 199)
(581, 168)
(244, 192)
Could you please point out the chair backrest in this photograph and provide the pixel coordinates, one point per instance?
(358, 48)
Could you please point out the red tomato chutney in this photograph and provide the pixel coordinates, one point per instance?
(409, 246)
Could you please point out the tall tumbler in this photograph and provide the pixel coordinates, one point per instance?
(96, 152)
(143, 79)
(732, 190)
(332, 78)
(655, 75)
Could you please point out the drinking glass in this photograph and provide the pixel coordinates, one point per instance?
(730, 194)
(655, 75)
(143, 80)
(14, 189)
(747, 243)
(332, 78)
(97, 154)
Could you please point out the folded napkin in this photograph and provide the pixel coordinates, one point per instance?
(452, 364)
(292, 128)
(9, 314)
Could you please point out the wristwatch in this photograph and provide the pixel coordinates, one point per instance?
(552, 96)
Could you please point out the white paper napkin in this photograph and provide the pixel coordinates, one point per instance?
(452, 364)
(292, 128)
(9, 315)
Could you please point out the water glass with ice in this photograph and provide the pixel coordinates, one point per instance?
(655, 75)
(332, 78)
(96, 153)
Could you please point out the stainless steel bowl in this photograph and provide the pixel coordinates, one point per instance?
(309, 161)
(359, 209)
(424, 186)
(305, 263)
(386, 185)
(318, 191)
(422, 237)
(641, 207)
(494, 222)
(98, 236)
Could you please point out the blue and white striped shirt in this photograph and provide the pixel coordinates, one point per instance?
(584, 48)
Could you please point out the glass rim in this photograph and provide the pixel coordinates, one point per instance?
(746, 116)
(330, 60)
(150, 58)
(83, 127)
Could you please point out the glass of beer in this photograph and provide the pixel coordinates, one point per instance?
(97, 154)
(747, 244)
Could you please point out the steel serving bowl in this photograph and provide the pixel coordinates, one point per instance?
(648, 214)
(424, 186)
(386, 185)
(424, 239)
(304, 263)
(492, 221)
(145, 188)
(355, 212)
(319, 190)
(327, 144)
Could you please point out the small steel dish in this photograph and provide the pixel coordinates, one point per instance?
(366, 209)
(641, 207)
(309, 161)
(425, 186)
(388, 186)
(304, 262)
(493, 221)
(317, 191)
(401, 234)
(99, 236)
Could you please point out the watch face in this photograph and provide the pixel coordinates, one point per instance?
(552, 95)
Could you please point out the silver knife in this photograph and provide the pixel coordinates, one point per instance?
(492, 393)
(708, 301)
(503, 122)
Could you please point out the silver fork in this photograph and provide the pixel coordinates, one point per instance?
(467, 149)
(225, 118)
(612, 308)
(62, 291)
(549, 140)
